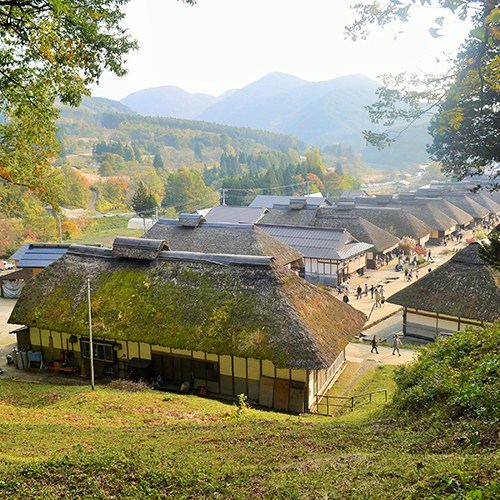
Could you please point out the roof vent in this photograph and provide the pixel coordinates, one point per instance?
(138, 248)
(190, 220)
(297, 203)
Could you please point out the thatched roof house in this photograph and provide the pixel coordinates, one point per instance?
(463, 291)
(231, 313)
(360, 228)
(395, 221)
(461, 217)
(469, 205)
(211, 237)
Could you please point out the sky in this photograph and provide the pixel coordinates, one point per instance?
(219, 45)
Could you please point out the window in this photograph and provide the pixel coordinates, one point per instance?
(102, 352)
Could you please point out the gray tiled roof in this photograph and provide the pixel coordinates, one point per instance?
(235, 215)
(268, 201)
(318, 243)
(40, 255)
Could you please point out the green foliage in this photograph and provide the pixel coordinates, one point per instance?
(465, 100)
(144, 202)
(186, 191)
(456, 378)
(490, 252)
(50, 50)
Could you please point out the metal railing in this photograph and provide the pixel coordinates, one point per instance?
(320, 401)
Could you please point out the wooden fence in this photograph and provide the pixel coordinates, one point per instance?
(340, 401)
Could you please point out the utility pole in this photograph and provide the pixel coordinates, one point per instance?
(224, 191)
(60, 230)
(307, 183)
(91, 343)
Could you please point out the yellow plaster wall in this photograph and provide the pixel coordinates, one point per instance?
(253, 369)
(198, 355)
(299, 375)
(34, 336)
(145, 350)
(181, 352)
(212, 357)
(283, 374)
(423, 320)
(159, 348)
(45, 337)
(267, 369)
(56, 337)
(225, 367)
(240, 367)
(133, 350)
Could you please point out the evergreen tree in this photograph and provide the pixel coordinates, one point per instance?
(144, 203)
(158, 162)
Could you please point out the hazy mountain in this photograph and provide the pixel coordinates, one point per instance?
(94, 105)
(169, 101)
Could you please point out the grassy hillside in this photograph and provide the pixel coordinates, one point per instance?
(71, 442)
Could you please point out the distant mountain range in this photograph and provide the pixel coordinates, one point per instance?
(319, 113)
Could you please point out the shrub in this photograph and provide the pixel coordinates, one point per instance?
(455, 378)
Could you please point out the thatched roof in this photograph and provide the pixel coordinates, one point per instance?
(268, 201)
(360, 228)
(286, 216)
(485, 201)
(427, 213)
(469, 205)
(395, 221)
(251, 308)
(465, 287)
(461, 217)
(210, 237)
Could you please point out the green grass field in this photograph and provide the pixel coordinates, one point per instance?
(73, 443)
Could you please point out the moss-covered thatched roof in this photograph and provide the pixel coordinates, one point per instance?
(210, 237)
(465, 287)
(251, 307)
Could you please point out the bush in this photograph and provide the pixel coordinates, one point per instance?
(455, 378)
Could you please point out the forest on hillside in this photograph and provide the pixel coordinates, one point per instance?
(106, 152)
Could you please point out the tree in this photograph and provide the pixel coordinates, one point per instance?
(490, 252)
(465, 125)
(158, 162)
(51, 49)
(144, 203)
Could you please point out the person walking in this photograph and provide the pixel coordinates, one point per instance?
(377, 298)
(366, 289)
(417, 272)
(359, 292)
(395, 345)
(374, 344)
(429, 256)
(372, 290)
(382, 298)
